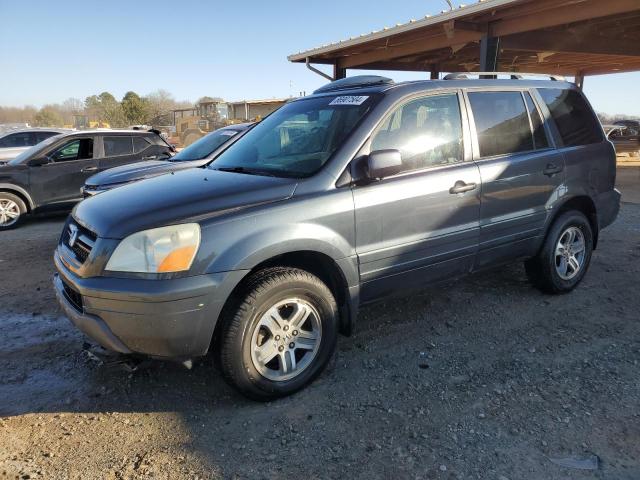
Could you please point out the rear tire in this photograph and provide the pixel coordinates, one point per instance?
(565, 255)
(279, 333)
(12, 210)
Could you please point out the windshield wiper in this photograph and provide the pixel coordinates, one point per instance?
(247, 171)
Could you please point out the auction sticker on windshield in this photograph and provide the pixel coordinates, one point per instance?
(349, 100)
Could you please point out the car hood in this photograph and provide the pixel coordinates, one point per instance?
(7, 170)
(190, 195)
(139, 171)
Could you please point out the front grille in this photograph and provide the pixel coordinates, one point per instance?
(74, 297)
(78, 240)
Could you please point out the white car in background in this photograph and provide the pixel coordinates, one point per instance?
(14, 142)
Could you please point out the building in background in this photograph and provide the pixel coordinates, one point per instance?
(249, 110)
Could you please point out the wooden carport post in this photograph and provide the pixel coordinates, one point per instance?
(579, 80)
(489, 53)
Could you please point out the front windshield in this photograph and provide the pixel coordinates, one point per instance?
(33, 151)
(205, 146)
(298, 139)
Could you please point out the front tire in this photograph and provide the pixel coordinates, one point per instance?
(565, 255)
(279, 334)
(12, 210)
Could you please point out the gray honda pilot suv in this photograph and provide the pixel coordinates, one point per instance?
(364, 189)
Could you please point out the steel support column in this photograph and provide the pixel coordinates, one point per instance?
(435, 72)
(338, 72)
(579, 80)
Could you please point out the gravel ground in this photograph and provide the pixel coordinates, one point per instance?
(483, 377)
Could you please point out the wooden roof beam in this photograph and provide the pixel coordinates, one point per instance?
(566, 42)
(570, 13)
(421, 45)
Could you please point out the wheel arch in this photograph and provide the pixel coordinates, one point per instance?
(313, 261)
(583, 204)
(20, 192)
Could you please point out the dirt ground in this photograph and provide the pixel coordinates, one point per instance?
(483, 378)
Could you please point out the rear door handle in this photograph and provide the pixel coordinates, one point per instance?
(552, 169)
(461, 187)
(89, 169)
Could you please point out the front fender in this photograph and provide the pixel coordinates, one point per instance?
(270, 242)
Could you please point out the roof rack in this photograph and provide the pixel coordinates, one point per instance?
(355, 82)
(513, 75)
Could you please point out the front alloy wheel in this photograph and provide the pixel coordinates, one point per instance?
(279, 333)
(12, 208)
(286, 339)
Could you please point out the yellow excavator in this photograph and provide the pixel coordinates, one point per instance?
(193, 124)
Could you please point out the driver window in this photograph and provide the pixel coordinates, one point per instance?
(79, 149)
(426, 131)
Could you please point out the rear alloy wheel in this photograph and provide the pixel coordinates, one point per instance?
(12, 208)
(570, 253)
(279, 334)
(565, 255)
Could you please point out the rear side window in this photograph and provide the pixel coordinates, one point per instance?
(576, 122)
(140, 144)
(21, 139)
(120, 145)
(502, 123)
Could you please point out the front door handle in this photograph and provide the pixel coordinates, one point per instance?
(89, 169)
(552, 169)
(461, 187)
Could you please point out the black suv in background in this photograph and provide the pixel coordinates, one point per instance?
(365, 189)
(197, 154)
(49, 176)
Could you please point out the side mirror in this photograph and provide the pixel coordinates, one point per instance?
(38, 162)
(383, 163)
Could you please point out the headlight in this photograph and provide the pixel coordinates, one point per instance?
(159, 250)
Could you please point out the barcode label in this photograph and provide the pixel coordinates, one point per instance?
(349, 100)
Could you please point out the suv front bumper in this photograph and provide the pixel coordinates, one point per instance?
(172, 318)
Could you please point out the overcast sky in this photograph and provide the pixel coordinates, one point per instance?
(53, 50)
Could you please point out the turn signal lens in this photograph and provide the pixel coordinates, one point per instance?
(178, 260)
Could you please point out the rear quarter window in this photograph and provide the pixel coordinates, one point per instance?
(140, 144)
(573, 117)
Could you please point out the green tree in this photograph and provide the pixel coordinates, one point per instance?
(47, 117)
(134, 108)
(106, 108)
